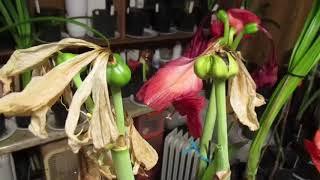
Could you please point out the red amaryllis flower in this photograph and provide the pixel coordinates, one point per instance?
(313, 149)
(238, 18)
(176, 84)
(266, 75)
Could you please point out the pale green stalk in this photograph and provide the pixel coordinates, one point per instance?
(144, 71)
(237, 40)
(78, 81)
(207, 132)
(120, 155)
(221, 159)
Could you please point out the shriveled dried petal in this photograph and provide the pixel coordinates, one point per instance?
(37, 95)
(24, 59)
(244, 98)
(102, 128)
(142, 151)
(223, 175)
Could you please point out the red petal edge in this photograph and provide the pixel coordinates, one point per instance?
(240, 17)
(191, 106)
(314, 153)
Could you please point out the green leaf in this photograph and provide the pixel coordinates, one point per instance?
(305, 38)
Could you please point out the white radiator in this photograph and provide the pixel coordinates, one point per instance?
(179, 161)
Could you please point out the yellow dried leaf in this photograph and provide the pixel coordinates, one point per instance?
(24, 59)
(142, 151)
(244, 98)
(102, 126)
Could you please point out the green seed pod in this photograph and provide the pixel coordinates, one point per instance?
(219, 68)
(233, 66)
(118, 73)
(202, 66)
(251, 28)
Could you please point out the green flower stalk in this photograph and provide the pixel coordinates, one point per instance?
(219, 67)
(118, 75)
(223, 16)
(304, 57)
(207, 131)
(61, 58)
(250, 28)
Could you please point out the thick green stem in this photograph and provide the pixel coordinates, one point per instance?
(122, 164)
(26, 78)
(221, 157)
(237, 40)
(144, 71)
(207, 132)
(118, 107)
(278, 99)
(121, 156)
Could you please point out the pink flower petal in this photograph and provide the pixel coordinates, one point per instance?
(216, 29)
(238, 18)
(174, 84)
(191, 106)
(170, 83)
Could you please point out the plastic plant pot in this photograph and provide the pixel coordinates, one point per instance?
(187, 23)
(2, 124)
(49, 31)
(76, 8)
(23, 121)
(135, 22)
(104, 22)
(162, 19)
(60, 114)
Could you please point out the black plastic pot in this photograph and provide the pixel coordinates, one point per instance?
(162, 18)
(187, 22)
(23, 121)
(2, 124)
(104, 22)
(149, 4)
(179, 4)
(60, 114)
(49, 31)
(135, 22)
(7, 41)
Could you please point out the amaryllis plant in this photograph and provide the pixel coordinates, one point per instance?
(180, 81)
(266, 75)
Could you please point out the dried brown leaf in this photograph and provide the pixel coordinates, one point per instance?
(24, 59)
(244, 98)
(142, 151)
